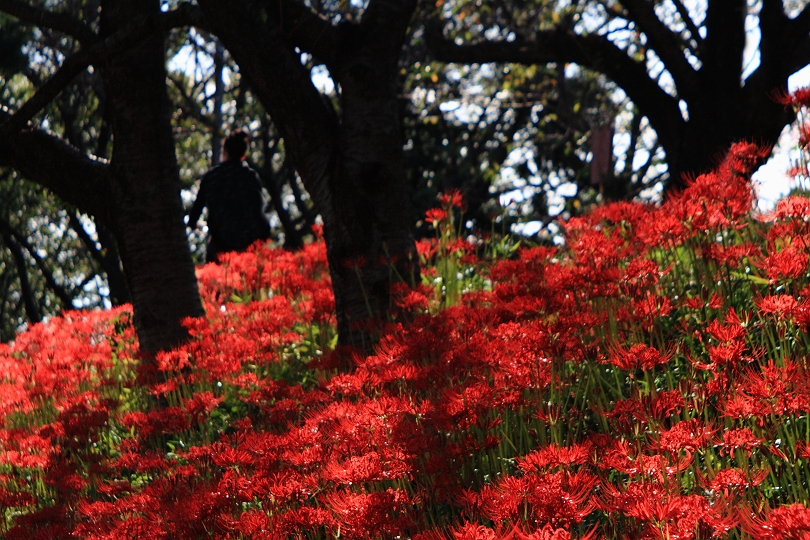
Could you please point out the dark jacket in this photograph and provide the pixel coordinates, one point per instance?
(233, 194)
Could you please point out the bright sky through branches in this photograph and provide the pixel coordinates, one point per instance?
(771, 180)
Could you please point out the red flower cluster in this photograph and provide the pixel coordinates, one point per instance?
(646, 380)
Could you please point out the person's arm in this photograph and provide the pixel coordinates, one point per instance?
(264, 200)
(197, 207)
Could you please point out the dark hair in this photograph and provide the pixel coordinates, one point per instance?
(236, 144)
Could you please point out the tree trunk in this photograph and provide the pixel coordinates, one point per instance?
(146, 214)
(370, 241)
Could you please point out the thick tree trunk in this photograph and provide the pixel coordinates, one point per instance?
(724, 111)
(371, 243)
(146, 214)
(708, 137)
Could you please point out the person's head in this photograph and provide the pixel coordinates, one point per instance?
(235, 146)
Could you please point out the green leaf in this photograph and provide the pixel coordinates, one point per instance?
(754, 279)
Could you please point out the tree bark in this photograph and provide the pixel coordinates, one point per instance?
(107, 258)
(145, 187)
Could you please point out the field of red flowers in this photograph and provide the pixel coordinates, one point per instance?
(648, 379)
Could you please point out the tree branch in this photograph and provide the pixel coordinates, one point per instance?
(385, 22)
(60, 21)
(722, 50)
(102, 259)
(107, 258)
(190, 107)
(26, 291)
(590, 51)
(99, 51)
(53, 164)
(694, 31)
(774, 55)
(799, 28)
(64, 296)
(665, 43)
(305, 29)
(800, 56)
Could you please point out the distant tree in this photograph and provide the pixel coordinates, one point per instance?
(512, 131)
(45, 266)
(681, 64)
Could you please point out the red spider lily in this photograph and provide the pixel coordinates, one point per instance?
(802, 450)
(639, 356)
(732, 255)
(665, 404)
(798, 98)
(451, 198)
(470, 531)
(737, 479)
(360, 514)
(434, 216)
(622, 457)
(200, 405)
(550, 533)
(786, 264)
(665, 514)
(783, 306)
(731, 331)
(742, 438)
(558, 499)
(553, 456)
(727, 353)
(714, 302)
(790, 207)
(687, 435)
(641, 274)
(791, 521)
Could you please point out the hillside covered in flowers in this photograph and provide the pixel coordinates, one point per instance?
(648, 379)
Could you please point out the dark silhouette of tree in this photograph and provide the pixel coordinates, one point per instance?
(699, 59)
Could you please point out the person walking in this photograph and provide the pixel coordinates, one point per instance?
(232, 192)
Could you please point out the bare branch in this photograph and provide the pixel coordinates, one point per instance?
(799, 26)
(694, 31)
(796, 44)
(26, 291)
(666, 44)
(63, 22)
(64, 296)
(190, 107)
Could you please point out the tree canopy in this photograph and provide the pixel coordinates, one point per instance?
(681, 64)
